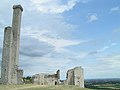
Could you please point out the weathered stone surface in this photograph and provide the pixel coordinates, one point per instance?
(18, 6)
(7, 56)
(10, 74)
(46, 79)
(19, 76)
(16, 24)
(79, 76)
(75, 77)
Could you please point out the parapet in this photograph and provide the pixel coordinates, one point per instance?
(8, 27)
(18, 6)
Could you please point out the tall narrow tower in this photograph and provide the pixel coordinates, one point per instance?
(16, 24)
(10, 74)
(7, 56)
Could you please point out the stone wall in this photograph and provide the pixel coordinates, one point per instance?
(79, 76)
(75, 76)
(46, 79)
(70, 77)
(19, 76)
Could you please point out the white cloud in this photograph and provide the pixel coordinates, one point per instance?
(36, 48)
(103, 49)
(92, 17)
(85, 1)
(54, 62)
(53, 6)
(106, 47)
(115, 9)
(82, 55)
(57, 43)
(2, 23)
(103, 66)
(112, 61)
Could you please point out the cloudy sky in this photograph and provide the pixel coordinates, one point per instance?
(63, 34)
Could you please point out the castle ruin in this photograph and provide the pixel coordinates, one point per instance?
(75, 76)
(10, 73)
(46, 79)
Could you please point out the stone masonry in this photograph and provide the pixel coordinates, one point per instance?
(46, 79)
(16, 23)
(19, 76)
(75, 76)
(10, 74)
(7, 56)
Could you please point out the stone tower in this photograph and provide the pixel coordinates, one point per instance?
(7, 56)
(10, 54)
(16, 24)
(75, 76)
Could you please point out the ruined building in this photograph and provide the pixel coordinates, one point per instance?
(46, 79)
(75, 76)
(10, 73)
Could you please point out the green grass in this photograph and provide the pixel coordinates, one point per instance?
(39, 87)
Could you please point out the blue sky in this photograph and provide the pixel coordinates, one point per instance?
(63, 34)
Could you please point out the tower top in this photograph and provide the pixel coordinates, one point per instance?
(8, 27)
(18, 6)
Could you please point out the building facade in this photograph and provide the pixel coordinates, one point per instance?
(75, 76)
(46, 79)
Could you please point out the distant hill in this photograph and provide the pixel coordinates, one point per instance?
(103, 81)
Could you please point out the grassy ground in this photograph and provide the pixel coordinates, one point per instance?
(39, 87)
